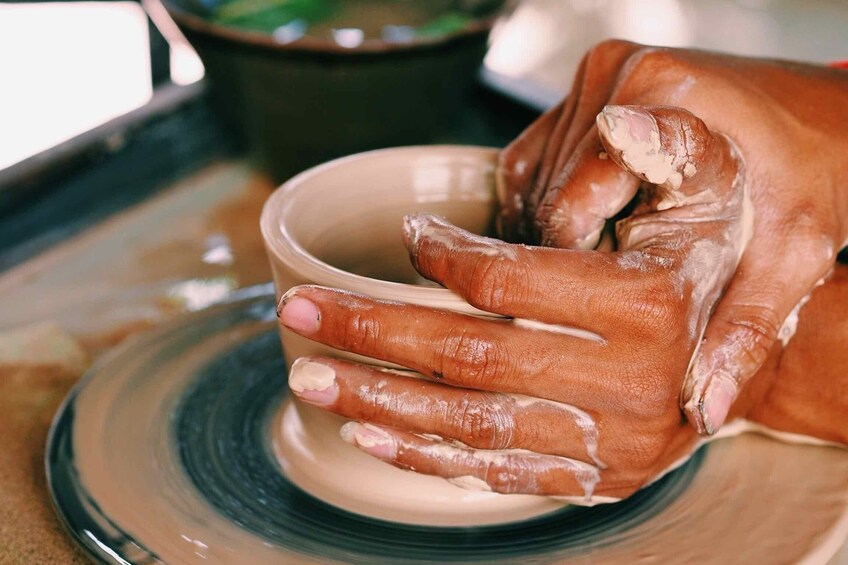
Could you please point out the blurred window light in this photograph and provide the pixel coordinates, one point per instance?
(291, 31)
(68, 67)
(653, 22)
(186, 67)
(349, 37)
(536, 51)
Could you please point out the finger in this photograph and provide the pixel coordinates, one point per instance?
(557, 286)
(761, 305)
(499, 471)
(673, 150)
(592, 88)
(552, 149)
(695, 209)
(516, 171)
(477, 419)
(467, 351)
(591, 189)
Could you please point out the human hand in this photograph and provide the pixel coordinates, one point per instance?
(803, 388)
(536, 409)
(788, 121)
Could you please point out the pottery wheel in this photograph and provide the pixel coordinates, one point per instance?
(165, 451)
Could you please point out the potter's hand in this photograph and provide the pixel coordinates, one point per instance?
(629, 432)
(582, 411)
(790, 122)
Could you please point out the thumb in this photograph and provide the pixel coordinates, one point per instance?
(668, 146)
(760, 307)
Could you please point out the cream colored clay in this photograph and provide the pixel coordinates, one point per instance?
(417, 227)
(646, 157)
(316, 450)
(308, 375)
(581, 418)
(555, 328)
(127, 462)
(126, 459)
(790, 324)
(468, 482)
(378, 437)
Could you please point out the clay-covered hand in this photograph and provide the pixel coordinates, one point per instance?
(524, 404)
(518, 443)
(788, 121)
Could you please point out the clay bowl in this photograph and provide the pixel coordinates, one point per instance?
(304, 102)
(339, 224)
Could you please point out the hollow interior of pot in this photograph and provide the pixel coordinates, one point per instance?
(350, 216)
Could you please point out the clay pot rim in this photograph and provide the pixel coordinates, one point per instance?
(288, 251)
(318, 46)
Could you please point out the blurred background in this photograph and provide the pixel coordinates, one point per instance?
(106, 102)
(70, 66)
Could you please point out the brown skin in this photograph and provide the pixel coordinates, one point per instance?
(789, 123)
(801, 389)
(650, 301)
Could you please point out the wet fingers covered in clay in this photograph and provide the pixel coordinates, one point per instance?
(503, 471)
(481, 420)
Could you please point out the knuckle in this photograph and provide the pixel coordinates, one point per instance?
(755, 330)
(608, 45)
(511, 476)
(654, 72)
(656, 311)
(361, 332)
(484, 425)
(650, 60)
(692, 135)
(494, 280)
(555, 217)
(653, 397)
(473, 359)
(809, 235)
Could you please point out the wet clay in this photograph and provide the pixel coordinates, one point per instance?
(128, 463)
(309, 447)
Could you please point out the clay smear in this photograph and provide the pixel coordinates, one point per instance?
(582, 420)
(640, 151)
(790, 325)
(557, 329)
(126, 459)
(308, 375)
(468, 482)
(438, 231)
(502, 462)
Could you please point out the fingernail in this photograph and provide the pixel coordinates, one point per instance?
(621, 120)
(348, 433)
(313, 382)
(718, 398)
(299, 314)
(370, 439)
(635, 136)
